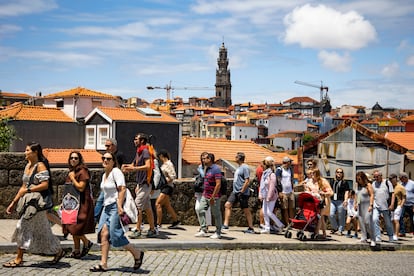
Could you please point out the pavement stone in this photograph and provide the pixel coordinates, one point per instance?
(182, 238)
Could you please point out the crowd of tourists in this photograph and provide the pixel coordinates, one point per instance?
(344, 207)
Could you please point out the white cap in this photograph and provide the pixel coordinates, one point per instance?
(286, 159)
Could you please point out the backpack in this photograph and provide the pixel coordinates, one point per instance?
(158, 180)
(279, 187)
(224, 184)
(390, 195)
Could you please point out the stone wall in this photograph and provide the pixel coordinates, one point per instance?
(11, 171)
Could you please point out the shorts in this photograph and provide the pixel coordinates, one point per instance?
(396, 214)
(142, 199)
(168, 190)
(287, 200)
(239, 197)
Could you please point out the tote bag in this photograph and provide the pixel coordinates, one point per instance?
(70, 204)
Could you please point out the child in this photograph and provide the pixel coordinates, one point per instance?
(351, 218)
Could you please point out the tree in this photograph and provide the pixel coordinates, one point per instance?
(7, 135)
(307, 138)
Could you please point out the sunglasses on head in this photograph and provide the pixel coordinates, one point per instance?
(106, 158)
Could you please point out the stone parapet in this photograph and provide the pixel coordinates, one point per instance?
(183, 200)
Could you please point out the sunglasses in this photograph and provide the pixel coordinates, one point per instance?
(107, 146)
(74, 158)
(106, 158)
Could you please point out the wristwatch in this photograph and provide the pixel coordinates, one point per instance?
(28, 190)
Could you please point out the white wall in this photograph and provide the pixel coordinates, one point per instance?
(278, 124)
(246, 133)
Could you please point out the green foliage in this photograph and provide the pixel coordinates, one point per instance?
(7, 135)
(307, 138)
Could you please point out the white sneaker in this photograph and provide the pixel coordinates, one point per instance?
(201, 234)
(215, 236)
(265, 231)
(394, 237)
(373, 244)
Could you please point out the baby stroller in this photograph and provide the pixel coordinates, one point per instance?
(306, 218)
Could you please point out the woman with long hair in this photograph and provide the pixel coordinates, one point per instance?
(163, 200)
(268, 194)
(33, 232)
(110, 231)
(365, 200)
(325, 192)
(79, 177)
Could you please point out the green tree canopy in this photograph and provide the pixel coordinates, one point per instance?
(7, 135)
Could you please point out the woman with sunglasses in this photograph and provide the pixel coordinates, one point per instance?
(110, 231)
(33, 234)
(78, 178)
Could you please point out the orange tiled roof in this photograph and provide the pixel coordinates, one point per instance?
(15, 95)
(227, 149)
(301, 100)
(82, 92)
(60, 156)
(18, 111)
(408, 118)
(405, 139)
(131, 114)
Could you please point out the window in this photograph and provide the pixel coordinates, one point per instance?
(96, 136)
(103, 134)
(59, 104)
(90, 137)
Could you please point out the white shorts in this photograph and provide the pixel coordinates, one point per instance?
(396, 214)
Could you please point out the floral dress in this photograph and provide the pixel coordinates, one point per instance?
(35, 234)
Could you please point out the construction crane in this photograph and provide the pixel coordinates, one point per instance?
(321, 88)
(168, 88)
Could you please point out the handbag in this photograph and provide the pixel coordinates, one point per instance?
(199, 184)
(130, 214)
(33, 202)
(70, 204)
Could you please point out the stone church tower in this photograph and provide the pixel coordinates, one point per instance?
(223, 84)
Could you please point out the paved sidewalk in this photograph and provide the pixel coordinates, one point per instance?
(182, 238)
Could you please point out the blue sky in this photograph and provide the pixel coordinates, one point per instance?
(362, 50)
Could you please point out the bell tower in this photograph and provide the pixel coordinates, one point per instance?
(223, 84)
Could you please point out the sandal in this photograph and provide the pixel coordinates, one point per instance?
(59, 256)
(138, 262)
(12, 264)
(97, 268)
(85, 249)
(75, 255)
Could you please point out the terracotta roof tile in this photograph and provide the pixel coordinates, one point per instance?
(405, 139)
(60, 156)
(82, 92)
(227, 149)
(18, 111)
(300, 100)
(15, 95)
(408, 118)
(131, 114)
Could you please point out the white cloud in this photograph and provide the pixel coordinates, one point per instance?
(335, 61)
(321, 27)
(106, 44)
(72, 59)
(390, 70)
(24, 7)
(410, 60)
(8, 28)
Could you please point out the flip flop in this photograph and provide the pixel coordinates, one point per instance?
(12, 264)
(97, 268)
